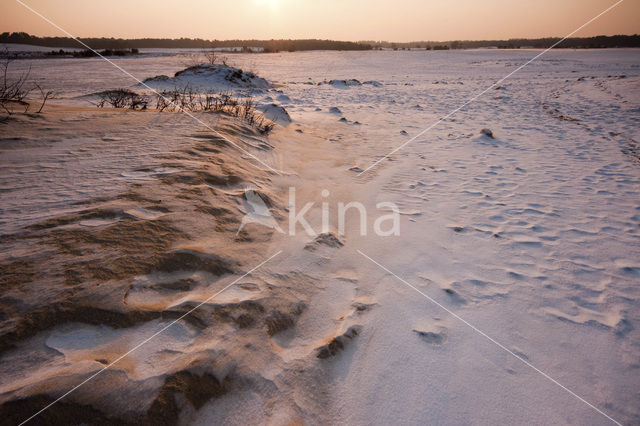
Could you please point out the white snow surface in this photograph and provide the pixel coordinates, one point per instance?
(532, 236)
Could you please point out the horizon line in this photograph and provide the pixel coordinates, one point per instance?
(364, 41)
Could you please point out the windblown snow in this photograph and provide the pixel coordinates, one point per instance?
(519, 215)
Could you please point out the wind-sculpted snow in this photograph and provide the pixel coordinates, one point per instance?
(520, 214)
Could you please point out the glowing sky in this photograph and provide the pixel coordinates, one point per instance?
(397, 20)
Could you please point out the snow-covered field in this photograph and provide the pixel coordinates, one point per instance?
(516, 293)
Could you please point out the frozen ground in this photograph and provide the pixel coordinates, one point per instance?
(532, 237)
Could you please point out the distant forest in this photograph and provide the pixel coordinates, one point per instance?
(598, 42)
(148, 43)
(313, 44)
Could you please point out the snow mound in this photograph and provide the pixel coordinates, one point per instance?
(275, 113)
(335, 110)
(209, 78)
(343, 84)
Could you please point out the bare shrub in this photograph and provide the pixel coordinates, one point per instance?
(248, 112)
(206, 57)
(244, 110)
(189, 99)
(206, 102)
(168, 100)
(49, 94)
(186, 99)
(211, 57)
(163, 100)
(13, 92)
(122, 98)
(265, 126)
(192, 60)
(16, 92)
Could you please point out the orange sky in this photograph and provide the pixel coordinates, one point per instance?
(399, 20)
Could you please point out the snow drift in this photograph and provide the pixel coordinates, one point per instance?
(209, 78)
(275, 113)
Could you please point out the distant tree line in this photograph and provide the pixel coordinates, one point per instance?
(90, 53)
(118, 44)
(148, 43)
(517, 43)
